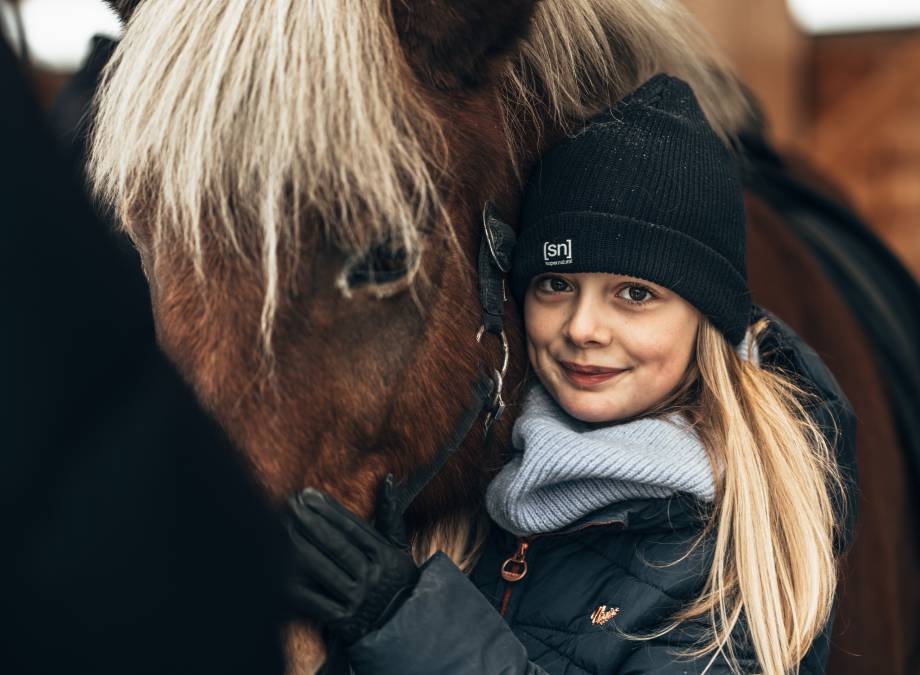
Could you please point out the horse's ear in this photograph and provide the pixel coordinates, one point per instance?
(123, 8)
(451, 44)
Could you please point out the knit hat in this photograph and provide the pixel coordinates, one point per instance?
(646, 189)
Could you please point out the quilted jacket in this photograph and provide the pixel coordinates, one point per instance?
(612, 572)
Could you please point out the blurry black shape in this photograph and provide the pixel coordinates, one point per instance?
(134, 539)
(70, 114)
(70, 119)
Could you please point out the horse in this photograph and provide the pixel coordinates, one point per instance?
(305, 182)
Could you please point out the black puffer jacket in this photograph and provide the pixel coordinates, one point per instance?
(596, 577)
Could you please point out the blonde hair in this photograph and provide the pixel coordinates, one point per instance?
(458, 535)
(229, 122)
(774, 523)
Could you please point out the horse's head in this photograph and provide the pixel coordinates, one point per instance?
(305, 181)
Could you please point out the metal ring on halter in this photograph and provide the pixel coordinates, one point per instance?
(498, 404)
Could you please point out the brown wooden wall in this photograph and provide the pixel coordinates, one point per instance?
(848, 103)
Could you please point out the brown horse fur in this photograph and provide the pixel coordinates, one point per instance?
(329, 372)
(375, 384)
(453, 45)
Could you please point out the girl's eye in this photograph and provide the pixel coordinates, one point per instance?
(636, 295)
(553, 285)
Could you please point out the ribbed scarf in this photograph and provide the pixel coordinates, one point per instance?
(564, 469)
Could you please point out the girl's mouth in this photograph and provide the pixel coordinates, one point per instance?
(588, 376)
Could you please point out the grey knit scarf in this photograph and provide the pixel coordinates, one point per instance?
(564, 469)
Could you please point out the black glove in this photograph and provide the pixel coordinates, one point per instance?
(348, 575)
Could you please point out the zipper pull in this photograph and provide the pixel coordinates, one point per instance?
(515, 567)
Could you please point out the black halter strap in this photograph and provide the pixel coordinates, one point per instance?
(410, 489)
(495, 248)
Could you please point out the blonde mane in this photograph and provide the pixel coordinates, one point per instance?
(582, 56)
(230, 122)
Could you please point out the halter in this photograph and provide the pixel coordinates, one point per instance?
(495, 248)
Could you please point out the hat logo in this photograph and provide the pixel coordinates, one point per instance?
(559, 253)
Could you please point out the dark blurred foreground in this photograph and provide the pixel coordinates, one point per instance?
(133, 539)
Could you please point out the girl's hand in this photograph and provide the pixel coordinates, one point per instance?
(347, 575)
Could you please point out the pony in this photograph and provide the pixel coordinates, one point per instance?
(305, 181)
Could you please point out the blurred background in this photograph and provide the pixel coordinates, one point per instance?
(840, 83)
(839, 80)
(56, 36)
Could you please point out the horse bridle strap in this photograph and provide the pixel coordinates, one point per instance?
(495, 249)
(494, 262)
(410, 489)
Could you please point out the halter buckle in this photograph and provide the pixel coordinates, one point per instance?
(496, 406)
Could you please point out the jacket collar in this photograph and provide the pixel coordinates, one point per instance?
(681, 510)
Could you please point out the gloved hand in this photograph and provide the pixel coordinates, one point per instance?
(348, 576)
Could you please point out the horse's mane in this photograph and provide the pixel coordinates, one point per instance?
(231, 122)
(581, 56)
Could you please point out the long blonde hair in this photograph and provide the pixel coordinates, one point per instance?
(777, 513)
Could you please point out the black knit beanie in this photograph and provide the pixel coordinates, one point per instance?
(646, 189)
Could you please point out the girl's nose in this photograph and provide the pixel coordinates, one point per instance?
(586, 326)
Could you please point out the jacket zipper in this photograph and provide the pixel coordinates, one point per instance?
(515, 567)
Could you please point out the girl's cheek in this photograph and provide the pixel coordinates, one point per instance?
(541, 323)
(649, 343)
(535, 336)
(667, 342)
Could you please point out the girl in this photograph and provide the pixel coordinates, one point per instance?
(675, 502)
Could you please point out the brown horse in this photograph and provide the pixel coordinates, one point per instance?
(305, 181)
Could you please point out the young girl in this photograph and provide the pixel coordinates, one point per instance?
(674, 503)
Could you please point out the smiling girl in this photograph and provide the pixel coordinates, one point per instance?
(674, 502)
(607, 346)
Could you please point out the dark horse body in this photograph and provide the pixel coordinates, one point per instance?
(369, 379)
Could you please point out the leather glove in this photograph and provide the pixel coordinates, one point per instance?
(349, 576)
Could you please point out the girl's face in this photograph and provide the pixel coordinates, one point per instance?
(607, 347)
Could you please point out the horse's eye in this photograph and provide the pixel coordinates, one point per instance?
(383, 264)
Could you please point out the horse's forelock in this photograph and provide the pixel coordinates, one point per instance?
(231, 122)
